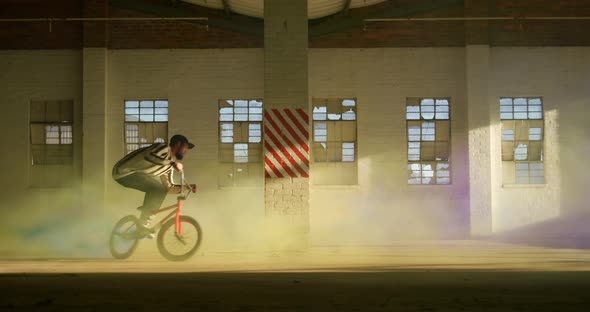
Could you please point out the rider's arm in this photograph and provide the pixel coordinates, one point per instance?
(154, 157)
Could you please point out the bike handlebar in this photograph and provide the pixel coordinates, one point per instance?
(190, 188)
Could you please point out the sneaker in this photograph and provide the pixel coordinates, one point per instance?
(145, 219)
(145, 232)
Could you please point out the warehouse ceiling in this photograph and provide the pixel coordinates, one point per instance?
(255, 8)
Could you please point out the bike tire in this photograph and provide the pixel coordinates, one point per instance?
(131, 238)
(189, 225)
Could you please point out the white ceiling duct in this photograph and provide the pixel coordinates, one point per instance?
(255, 8)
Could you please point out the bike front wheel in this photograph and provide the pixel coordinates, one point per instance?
(124, 237)
(179, 247)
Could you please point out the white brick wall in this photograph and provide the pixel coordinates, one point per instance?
(286, 86)
(382, 207)
(560, 76)
(26, 76)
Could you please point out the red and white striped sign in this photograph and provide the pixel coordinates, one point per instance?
(286, 143)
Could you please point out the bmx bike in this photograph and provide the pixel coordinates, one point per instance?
(178, 236)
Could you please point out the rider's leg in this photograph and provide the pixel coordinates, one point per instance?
(155, 191)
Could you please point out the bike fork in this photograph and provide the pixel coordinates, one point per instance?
(178, 225)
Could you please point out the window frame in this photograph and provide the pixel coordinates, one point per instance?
(340, 121)
(251, 146)
(422, 120)
(529, 122)
(140, 122)
(43, 123)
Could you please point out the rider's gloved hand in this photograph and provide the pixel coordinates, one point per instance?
(178, 166)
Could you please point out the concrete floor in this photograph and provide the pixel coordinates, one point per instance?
(412, 276)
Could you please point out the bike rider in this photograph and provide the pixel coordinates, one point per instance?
(149, 170)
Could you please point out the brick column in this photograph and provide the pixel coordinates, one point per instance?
(286, 105)
(94, 95)
(477, 67)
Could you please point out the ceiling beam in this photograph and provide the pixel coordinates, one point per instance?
(334, 24)
(246, 25)
(346, 7)
(226, 7)
(255, 26)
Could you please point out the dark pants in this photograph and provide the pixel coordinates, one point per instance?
(155, 191)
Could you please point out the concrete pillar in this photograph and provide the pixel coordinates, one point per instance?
(477, 67)
(478, 111)
(94, 94)
(286, 92)
(94, 97)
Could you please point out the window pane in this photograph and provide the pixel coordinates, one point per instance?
(226, 110)
(520, 108)
(348, 103)
(506, 116)
(508, 135)
(413, 133)
(146, 118)
(146, 104)
(254, 103)
(536, 115)
(535, 108)
(520, 101)
(427, 112)
(66, 134)
(226, 117)
(161, 111)
(241, 117)
(241, 110)
(535, 134)
(521, 152)
(427, 102)
(505, 109)
(320, 113)
(146, 111)
(131, 104)
(535, 101)
(132, 111)
(334, 116)
(162, 104)
(255, 110)
(161, 118)
(349, 115)
(428, 131)
(51, 134)
(412, 112)
(255, 117)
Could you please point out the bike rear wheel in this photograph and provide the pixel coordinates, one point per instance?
(124, 237)
(176, 247)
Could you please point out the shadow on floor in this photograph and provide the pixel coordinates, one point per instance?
(449, 290)
(571, 232)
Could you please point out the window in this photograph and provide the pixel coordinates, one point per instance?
(334, 130)
(240, 131)
(51, 137)
(522, 140)
(146, 123)
(428, 133)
